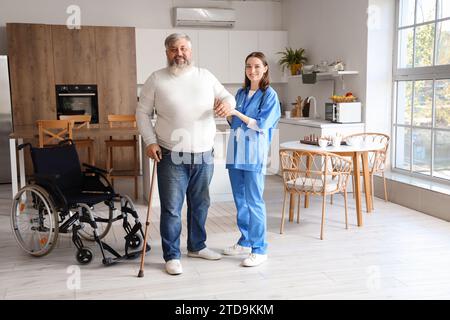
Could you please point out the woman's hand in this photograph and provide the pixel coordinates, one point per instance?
(223, 109)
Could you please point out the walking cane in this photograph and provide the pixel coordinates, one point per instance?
(147, 223)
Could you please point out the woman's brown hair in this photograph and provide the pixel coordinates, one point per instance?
(264, 82)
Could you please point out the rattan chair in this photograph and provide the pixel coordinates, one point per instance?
(314, 173)
(377, 160)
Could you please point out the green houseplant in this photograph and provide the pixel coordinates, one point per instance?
(293, 59)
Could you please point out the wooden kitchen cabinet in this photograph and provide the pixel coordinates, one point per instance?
(116, 71)
(31, 72)
(74, 55)
(116, 84)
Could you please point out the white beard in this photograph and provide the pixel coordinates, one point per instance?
(178, 69)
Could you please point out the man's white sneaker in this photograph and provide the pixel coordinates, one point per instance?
(205, 254)
(254, 260)
(174, 267)
(236, 250)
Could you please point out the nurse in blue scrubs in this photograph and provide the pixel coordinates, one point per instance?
(252, 123)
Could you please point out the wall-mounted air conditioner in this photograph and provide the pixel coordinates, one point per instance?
(208, 17)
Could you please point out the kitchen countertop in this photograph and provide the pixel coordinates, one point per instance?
(221, 124)
(317, 123)
(96, 130)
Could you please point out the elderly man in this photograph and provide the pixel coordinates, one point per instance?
(184, 98)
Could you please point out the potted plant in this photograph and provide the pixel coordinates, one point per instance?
(293, 59)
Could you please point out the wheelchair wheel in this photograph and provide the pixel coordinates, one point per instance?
(135, 241)
(84, 255)
(103, 216)
(34, 220)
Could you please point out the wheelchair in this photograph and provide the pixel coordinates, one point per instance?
(61, 198)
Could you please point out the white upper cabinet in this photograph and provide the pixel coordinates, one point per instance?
(271, 42)
(241, 44)
(213, 53)
(220, 51)
(150, 52)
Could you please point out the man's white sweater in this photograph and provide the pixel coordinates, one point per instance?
(184, 105)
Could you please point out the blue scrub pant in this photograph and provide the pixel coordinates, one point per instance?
(248, 189)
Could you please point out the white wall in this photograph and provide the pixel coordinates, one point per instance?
(329, 30)
(379, 65)
(157, 14)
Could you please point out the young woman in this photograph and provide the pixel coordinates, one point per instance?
(252, 122)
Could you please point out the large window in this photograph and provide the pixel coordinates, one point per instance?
(421, 126)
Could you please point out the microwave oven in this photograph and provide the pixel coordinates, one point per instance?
(343, 112)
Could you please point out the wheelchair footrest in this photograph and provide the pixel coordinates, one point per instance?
(129, 255)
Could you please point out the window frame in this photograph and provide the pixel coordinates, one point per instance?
(435, 72)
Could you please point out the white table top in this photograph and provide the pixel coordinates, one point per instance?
(359, 147)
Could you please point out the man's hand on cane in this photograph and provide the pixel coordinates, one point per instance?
(153, 151)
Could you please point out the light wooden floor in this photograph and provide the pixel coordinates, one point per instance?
(398, 254)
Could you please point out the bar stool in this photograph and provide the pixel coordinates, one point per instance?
(78, 122)
(52, 132)
(114, 120)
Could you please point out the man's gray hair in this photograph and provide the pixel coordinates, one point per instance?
(174, 37)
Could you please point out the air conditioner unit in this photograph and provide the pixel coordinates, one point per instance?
(210, 17)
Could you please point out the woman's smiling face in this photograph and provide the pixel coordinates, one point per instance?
(255, 69)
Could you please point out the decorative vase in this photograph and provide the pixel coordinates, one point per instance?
(296, 68)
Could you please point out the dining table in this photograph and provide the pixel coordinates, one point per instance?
(31, 132)
(359, 153)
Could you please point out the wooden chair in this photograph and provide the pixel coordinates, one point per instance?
(51, 132)
(377, 160)
(314, 173)
(115, 121)
(78, 122)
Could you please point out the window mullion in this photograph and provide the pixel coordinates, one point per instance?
(414, 35)
(435, 33)
(411, 147)
(433, 125)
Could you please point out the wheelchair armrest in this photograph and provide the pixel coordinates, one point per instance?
(23, 145)
(92, 169)
(46, 177)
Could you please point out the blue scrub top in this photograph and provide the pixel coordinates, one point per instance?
(248, 148)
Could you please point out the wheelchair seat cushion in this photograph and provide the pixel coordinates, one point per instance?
(74, 196)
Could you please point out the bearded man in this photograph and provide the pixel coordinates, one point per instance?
(184, 97)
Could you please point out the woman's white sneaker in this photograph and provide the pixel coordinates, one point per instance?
(236, 250)
(254, 260)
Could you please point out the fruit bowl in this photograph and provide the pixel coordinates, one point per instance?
(337, 99)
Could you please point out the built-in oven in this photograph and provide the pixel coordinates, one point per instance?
(77, 100)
